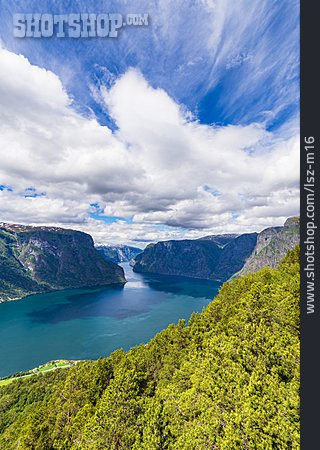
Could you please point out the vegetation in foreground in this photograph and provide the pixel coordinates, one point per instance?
(227, 381)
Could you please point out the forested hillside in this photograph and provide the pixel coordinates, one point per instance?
(227, 381)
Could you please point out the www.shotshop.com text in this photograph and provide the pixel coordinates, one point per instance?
(309, 211)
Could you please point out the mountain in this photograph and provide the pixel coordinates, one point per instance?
(210, 259)
(272, 245)
(228, 380)
(41, 259)
(118, 253)
(220, 239)
(219, 257)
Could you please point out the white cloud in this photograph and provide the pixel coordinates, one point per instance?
(172, 175)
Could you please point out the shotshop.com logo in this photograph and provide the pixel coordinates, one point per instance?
(74, 25)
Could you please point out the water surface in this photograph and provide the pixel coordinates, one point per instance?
(89, 323)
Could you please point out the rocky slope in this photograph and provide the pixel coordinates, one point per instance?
(272, 245)
(220, 257)
(118, 253)
(40, 259)
(202, 258)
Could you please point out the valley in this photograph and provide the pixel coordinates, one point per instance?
(88, 323)
(81, 304)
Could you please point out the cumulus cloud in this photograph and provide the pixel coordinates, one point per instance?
(172, 176)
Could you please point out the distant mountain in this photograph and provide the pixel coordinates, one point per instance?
(209, 259)
(272, 245)
(41, 259)
(219, 257)
(118, 253)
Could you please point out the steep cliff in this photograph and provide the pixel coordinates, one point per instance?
(202, 258)
(220, 257)
(272, 245)
(40, 259)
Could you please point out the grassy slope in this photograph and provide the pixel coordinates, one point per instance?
(52, 365)
(227, 381)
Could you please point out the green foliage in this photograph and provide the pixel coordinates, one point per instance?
(227, 381)
(52, 365)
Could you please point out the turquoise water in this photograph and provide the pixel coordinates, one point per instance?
(89, 323)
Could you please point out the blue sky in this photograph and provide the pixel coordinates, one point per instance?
(235, 79)
(222, 63)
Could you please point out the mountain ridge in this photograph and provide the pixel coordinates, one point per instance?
(273, 243)
(198, 258)
(220, 257)
(42, 259)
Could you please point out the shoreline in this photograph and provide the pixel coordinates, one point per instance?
(100, 286)
(42, 368)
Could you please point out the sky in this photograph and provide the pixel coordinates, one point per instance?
(183, 128)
